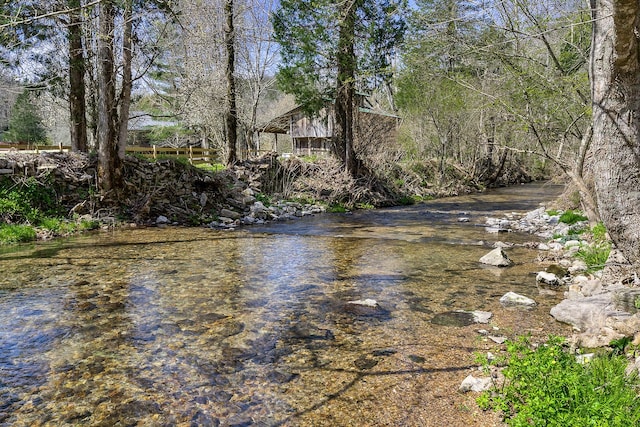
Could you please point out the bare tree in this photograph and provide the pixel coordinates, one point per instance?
(231, 113)
(109, 177)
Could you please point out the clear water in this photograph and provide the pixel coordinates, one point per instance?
(183, 326)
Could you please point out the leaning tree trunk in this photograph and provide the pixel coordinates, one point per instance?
(615, 88)
(77, 66)
(108, 161)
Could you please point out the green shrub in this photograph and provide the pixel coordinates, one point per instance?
(10, 233)
(570, 217)
(546, 386)
(337, 208)
(264, 199)
(364, 206)
(28, 201)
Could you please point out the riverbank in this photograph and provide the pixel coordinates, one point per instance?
(57, 192)
(601, 303)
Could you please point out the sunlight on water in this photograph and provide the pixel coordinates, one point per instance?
(180, 326)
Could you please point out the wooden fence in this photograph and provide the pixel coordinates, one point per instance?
(194, 155)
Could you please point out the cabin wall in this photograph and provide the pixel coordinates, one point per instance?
(319, 126)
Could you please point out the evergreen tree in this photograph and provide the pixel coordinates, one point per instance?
(25, 124)
(332, 49)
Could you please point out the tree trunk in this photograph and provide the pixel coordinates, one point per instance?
(108, 161)
(344, 104)
(615, 89)
(77, 106)
(231, 117)
(127, 82)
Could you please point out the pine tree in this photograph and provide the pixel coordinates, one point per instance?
(332, 49)
(25, 124)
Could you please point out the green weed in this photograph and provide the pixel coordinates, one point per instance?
(10, 233)
(571, 217)
(546, 386)
(594, 255)
(337, 208)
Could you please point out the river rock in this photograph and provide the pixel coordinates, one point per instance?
(584, 313)
(227, 213)
(497, 258)
(514, 299)
(548, 279)
(471, 383)
(365, 307)
(162, 220)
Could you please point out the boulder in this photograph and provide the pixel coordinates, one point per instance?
(514, 299)
(584, 313)
(497, 258)
(227, 213)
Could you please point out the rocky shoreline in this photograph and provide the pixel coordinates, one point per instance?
(598, 305)
(601, 306)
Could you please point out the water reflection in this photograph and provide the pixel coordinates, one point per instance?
(199, 327)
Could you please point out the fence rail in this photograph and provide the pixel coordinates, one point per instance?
(194, 155)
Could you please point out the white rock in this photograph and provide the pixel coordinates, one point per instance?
(578, 266)
(512, 298)
(496, 257)
(472, 383)
(162, 220)
(481, 316)
(366, 302)
(555, 246)
(548, 278)
(571, 243)
(497, 340)
(583, 359)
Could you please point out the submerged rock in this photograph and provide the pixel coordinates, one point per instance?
(366, 307)
(365, 362)
(461, 318)
(497, 258)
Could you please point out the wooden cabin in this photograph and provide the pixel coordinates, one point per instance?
(312, 135)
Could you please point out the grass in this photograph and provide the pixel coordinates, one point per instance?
(213, 167)
(571, 217)
(546, 386)
(10, 233)
(596, 254)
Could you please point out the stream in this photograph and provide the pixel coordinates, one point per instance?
(198, 327)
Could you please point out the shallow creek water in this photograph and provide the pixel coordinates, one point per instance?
(189, 326)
